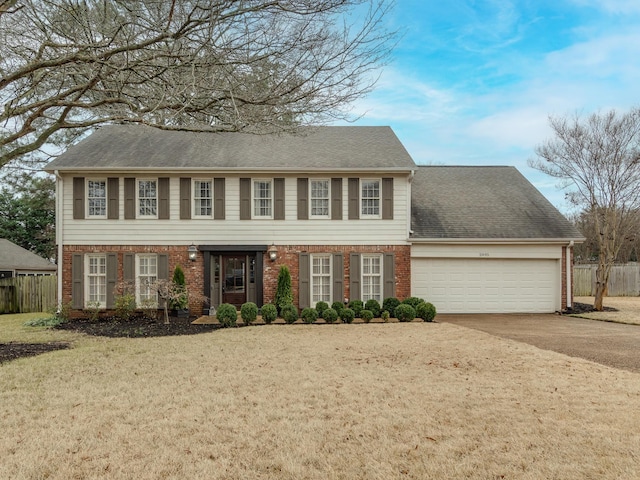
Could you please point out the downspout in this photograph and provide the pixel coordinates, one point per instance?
(59, 236)
(409, 230)
(569, 292)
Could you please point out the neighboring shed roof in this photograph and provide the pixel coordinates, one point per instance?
(142, 147)
(482, 203)
(14, 257)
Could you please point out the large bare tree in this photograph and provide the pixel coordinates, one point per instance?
(223, 65)
(598, 159)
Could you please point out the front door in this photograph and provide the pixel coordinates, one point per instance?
(234, 275)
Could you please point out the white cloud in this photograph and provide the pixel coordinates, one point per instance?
(611, 6)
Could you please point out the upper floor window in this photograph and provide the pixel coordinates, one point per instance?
(372, 277)
(96, 284)
(319, 198)
(203, 198)
(263, 198)
(147, 198)
(370, 198)
(97, 198)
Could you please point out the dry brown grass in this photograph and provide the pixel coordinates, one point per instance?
(383, 401)
(628, 309)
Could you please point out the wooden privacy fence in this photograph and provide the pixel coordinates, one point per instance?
(624, 280)
(28, 294)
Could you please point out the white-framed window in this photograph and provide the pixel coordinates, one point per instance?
(203, 197)
(147, 194)
(371, 277)
(97, 198)
(319, 196)
(96, 280)
(370, 197)
(146, 277)
(321, 275)
(262, 198)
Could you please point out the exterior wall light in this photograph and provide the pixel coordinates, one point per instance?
(273, 252)
(193, 252)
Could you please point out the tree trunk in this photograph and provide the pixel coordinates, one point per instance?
(602, 279)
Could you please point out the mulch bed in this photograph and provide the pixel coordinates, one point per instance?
(13, 350)
(136, 327)
(578, 308)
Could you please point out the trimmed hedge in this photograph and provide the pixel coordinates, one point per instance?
(357, 306)
(330, 315)
(367, 315)
(426, 311)
(290, 313)
(347, 315)
(405, 312)
(249, 312)
(269, 313)
(321, 307)
(309, 315)
(373, 306)
(389, 304)
(227, 315)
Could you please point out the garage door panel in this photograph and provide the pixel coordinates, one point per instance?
(456, 285)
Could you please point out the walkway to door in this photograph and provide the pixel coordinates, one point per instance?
(612, 344)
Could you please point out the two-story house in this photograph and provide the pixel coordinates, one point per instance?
(345, 208)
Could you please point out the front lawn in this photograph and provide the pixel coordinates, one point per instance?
(376, 401)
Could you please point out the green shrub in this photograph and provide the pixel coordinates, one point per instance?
(149, 308)
(367, 315)
(337, 306)
(309, 315)
(52, 321)
(249, 312)
(413, 301)
(290, 313)
(180, 299)
(389, 304)
(330, 315)
(426, 311)
(385, 316)
(92, 310)
(374, 306)
(347, 315)
(405, 312)
(227, 315)
(321, 307)
(125, 306)
(269, 313)
(284, 294)
(357, 306)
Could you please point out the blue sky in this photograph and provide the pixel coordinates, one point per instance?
(473, 82)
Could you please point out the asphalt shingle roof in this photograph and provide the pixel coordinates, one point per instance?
(14, 257)
(142, 147)
(482, 203)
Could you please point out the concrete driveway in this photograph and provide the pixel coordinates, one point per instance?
(612, 344)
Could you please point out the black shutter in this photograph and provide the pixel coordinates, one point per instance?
(278, 198)
(245, 199)
(304, 280)
(185, 198)
(163, 198)
(338, 277)
(354, 199)
(303, 199)
(355, 291)
(113, 204)
(218, 198)
(77, 278)
(78, 198)
(112, 278)
(336, 199)
(129, 198)
(387, 198)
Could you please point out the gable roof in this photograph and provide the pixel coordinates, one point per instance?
(14, 257)
(482, 203)
(314, 148)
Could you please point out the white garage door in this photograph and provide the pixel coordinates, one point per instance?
(487, 285)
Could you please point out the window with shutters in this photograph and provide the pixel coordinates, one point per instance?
(146, 277)
(262, 198)
(147, 198)
(320, 198)
(371, 266)
(370, 198)
(97, 198)
(321, 279)
(203, 197)
(96, 280)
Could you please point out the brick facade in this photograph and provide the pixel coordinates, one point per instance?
(287, 255)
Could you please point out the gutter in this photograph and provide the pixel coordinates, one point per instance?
(496, 241)
(59, 232)
(568, 274)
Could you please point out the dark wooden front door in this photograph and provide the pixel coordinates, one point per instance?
(234, 277)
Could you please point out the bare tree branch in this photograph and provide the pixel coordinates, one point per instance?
(218, 65)
(599, 157)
